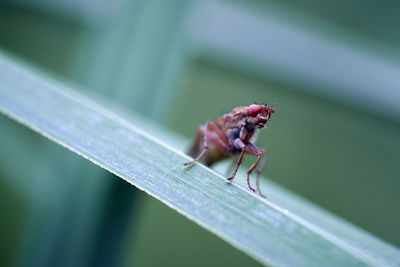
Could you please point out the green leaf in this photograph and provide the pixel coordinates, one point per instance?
(285, 231)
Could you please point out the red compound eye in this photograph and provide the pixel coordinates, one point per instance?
(253, 110)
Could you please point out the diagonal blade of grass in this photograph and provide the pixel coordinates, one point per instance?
(264, 230)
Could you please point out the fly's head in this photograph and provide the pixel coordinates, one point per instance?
(258, 115)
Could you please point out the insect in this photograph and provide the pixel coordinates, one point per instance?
(229, 135)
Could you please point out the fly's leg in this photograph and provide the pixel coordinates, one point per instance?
(257, 151)
(231, 166)
(238, 143)
(205, 147)
(259, 169)
(220, 140)
(220, 134)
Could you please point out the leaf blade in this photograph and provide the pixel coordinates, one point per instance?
(264, 230)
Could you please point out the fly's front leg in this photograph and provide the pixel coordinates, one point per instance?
(238, 144)
(257, 151)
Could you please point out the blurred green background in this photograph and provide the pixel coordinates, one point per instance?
(330, 68)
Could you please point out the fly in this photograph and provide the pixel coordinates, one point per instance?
(229, 135)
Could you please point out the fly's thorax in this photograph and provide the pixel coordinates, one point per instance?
(250, 124)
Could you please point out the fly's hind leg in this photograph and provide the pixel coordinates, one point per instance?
(205, 146)
(219, 139)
